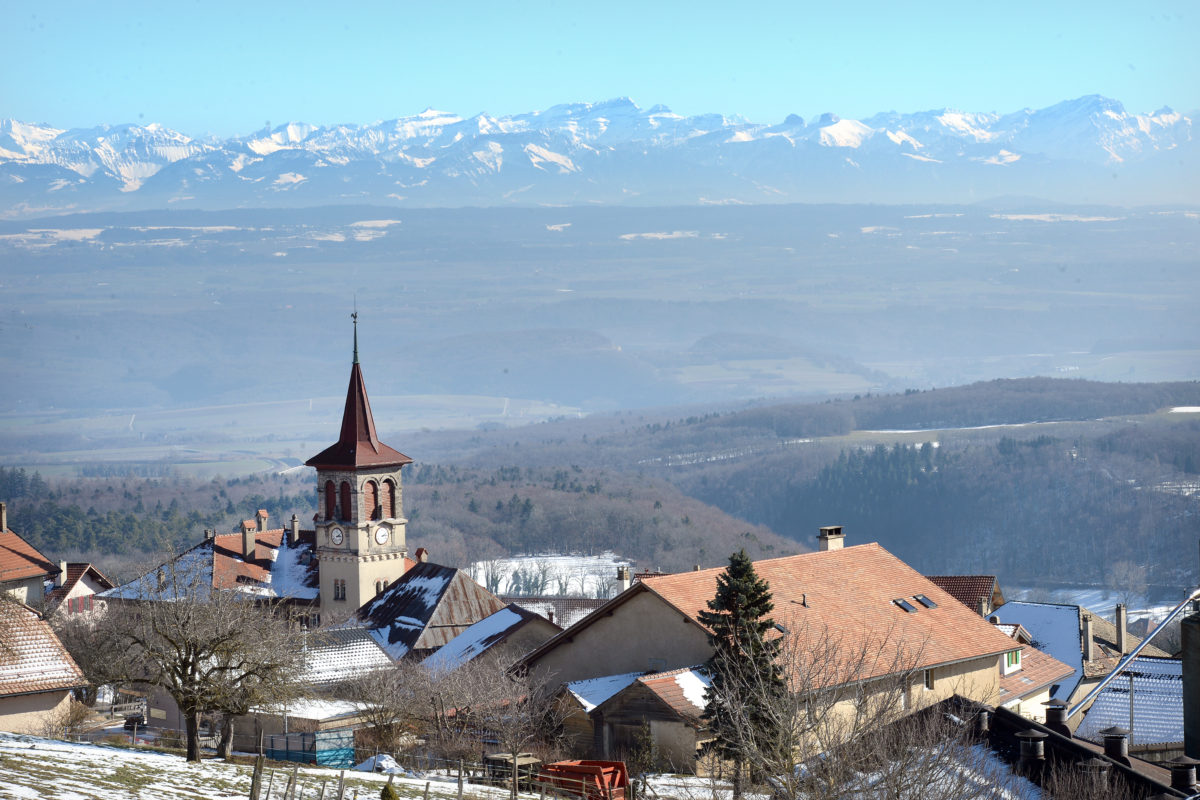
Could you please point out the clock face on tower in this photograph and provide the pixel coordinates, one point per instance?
(382, 533)
(336, 536)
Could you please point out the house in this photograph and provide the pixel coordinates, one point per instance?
(1028, 676)
(505, 636)
(980, 593)
(75, 588)
(37, 674)
(859, 600)
(425, 609)
(1090, 644)
(23, 570)
(669, 704)
(562, 610)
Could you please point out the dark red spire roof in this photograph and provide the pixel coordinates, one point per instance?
(358, 445)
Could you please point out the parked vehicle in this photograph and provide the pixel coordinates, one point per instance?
(134, 721)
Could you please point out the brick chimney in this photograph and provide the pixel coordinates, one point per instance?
(1089, 639)
(831, 537)
(3, 516)
(1122, 632)
(261, 516)
(294, 536)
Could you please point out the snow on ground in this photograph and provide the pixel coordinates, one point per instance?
(1185, 410)
(32, 768)
(1101, 601)
(550, 574)
(661, 235)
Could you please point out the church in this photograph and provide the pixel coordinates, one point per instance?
(353, 566)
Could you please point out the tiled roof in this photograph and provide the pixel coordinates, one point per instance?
(75, 573)
(566, 611)
(849, 594)
(425, 608)
(335, 655)
(681, 689)
(1038, 670)
(1105, 655)
(1157, 703)
(20, 560)
(967, 589)
(31, 657)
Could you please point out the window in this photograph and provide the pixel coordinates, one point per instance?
(339, 589)
(925, 601)
(929, 679)
(347, 509)
(387, 499)
(371, 500)
(1012, 662)
(330, 500)
(907, 606)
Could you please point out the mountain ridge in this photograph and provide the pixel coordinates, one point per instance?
(611, 152)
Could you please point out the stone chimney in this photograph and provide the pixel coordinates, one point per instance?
(622, 582)
(294, 536)
(1122, 632)
(261, 516)
(62, 574)
(831, 537)
(209, 533)
(983, 607)
(1089, 639)
(3, 516)
(248, 542)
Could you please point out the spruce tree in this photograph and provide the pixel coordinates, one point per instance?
(743, 672)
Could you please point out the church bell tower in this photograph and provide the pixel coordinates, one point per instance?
(360, 540)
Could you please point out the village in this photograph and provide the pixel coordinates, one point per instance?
(840, 672)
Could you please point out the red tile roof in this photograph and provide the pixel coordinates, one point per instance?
(358, 445)
(967, 589)
(666, 686)
(33, 659)
(20, 560)
(848, 594)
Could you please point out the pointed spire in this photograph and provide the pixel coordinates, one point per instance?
(354, 317)
(358, 445)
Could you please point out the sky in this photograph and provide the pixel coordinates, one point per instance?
(228, 68)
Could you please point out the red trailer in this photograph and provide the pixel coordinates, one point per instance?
(591, 780)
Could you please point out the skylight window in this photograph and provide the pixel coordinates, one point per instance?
(907, 606)
(925, 601)
(779, 627)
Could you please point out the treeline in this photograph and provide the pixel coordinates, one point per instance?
(1025, 509)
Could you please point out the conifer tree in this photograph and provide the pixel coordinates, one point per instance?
(743, 668)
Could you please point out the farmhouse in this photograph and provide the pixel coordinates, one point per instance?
(36, 672)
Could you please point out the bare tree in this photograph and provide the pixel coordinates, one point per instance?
(209, 649)
(1127, 579)
(393, 702)
(97, 648)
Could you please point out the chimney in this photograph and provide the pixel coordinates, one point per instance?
(209, 534)
(1122, 633)
(294, 538)
(248, 543)
(622, 582)
(1089, 639)
(695, 567)
(1116, 744)
(831, 537)
(422, 555)
(262, 519)
(1056, 717)
(1189, 631)
(983, 722)
(62, 574)
(3, 516)
(1033, 749)
(1183, 773)
(983, 607)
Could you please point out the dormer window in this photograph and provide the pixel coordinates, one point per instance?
(1012, 662)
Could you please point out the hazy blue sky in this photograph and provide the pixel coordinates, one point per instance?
(226, 68)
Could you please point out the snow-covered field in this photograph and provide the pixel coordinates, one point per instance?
(1101, 601)
(32, 768)
(550, 574)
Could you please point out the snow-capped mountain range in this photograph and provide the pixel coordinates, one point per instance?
(1085, 150)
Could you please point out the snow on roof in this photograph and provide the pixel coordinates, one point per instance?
(290, 572)
(1055, 630)
(594, 691)
(319, 709)
(475, 640)
(1157, 703)
(694, 684)
(33, 659)
(341, 653)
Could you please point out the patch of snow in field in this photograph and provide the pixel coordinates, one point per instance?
(1053, 218)
(1185, 410)
(1097, 599)
(560, 227)
(659, 235)
(375, 223)
(570, 575)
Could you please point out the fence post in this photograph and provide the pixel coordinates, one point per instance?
(256, 778)
(341, 795)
